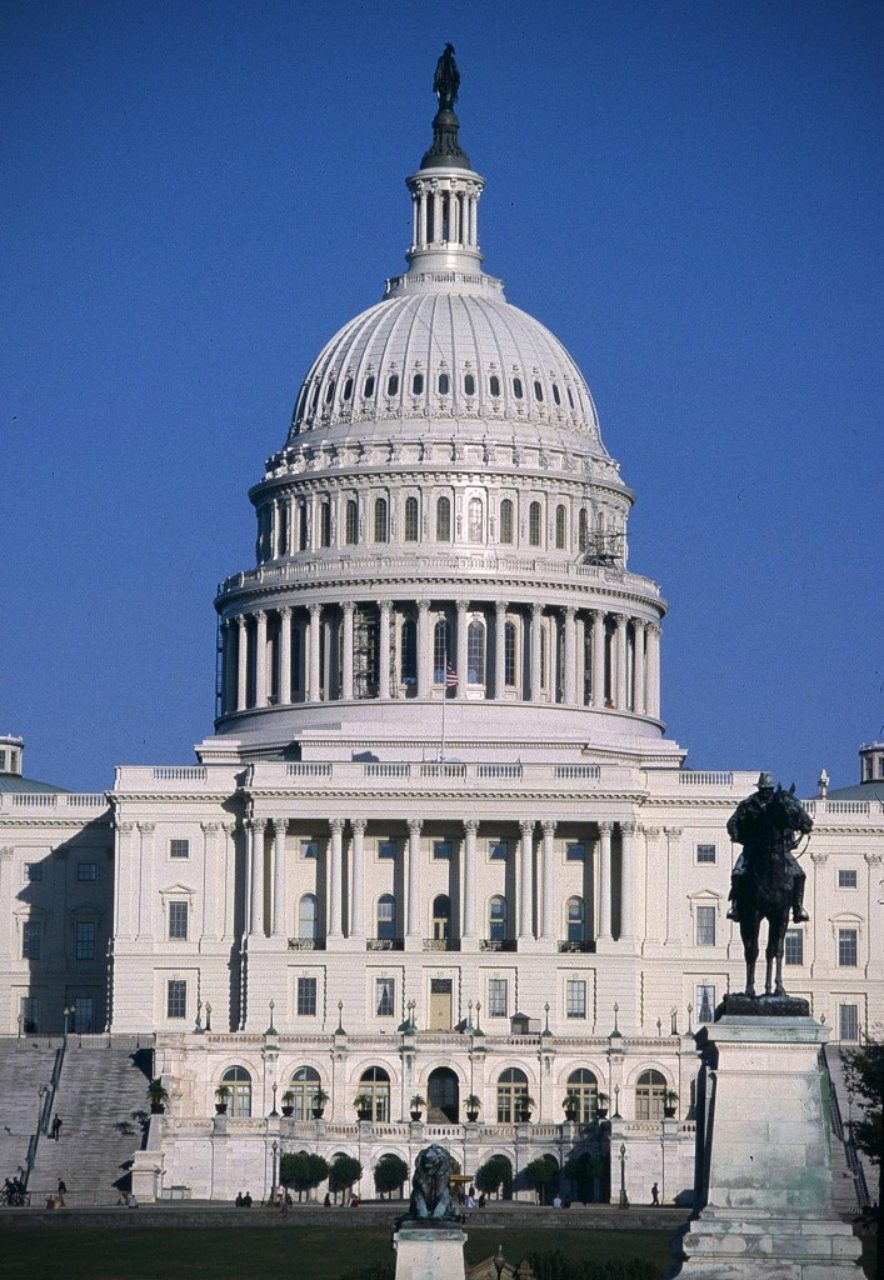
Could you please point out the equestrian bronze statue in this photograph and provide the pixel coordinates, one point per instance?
(767, 882)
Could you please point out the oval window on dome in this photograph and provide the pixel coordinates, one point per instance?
(494, 384)
(393, 384)
(469, 385)
(570, 398)
(314, 400)
(517, 388)
(417, 384)
(444, 384)
(368, 385)
(556, 397)
(348, 389)
(330, 392)
(538, 392)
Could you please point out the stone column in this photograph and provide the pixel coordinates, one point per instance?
(384, 650)
(461, 690)
(347, 653)
(652, 694)
(424, 656)
(526, 880)
(422, 216)
(145, 902)
(126, 886)
(211, 878)
(471, 827)
(499, 649)
(627, 881)
(598, 659)
(285, 655)
(654, 881)
(413, 924)
(638, 701)
(548, 916)
(228, 882)
(242, 662)
(357, 879)
(335, 867)
(313, 636)
(673, 894)
(603, 889)
(261, 659)
(620, 663)
(290, 534)
(229, 683)
(570, 681)
(279, 877)
(256, 858)
(536, 617)
(437, 216)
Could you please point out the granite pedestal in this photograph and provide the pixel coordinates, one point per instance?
(424, 1252)
(764, 1168)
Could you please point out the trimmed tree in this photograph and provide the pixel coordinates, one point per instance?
(584, 1171)
(389, 1175)
(864, 1073)
(344, 1173)
(302, 1171)
(540, 1174)
(493, 1175)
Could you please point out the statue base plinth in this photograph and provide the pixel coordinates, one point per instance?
(764, 1165)
(740, 1006)
(425, 1252)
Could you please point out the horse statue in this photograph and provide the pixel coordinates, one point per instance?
(767, 882)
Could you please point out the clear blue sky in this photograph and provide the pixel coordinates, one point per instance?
(196, 195)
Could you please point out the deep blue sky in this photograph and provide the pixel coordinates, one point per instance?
(196, 195)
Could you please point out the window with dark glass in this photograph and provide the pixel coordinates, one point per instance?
(476, 520)
(178, 920)
(306, 997)
(705, 853)
(847, 948)
(84, 939)
(385, 997)
(411, 519)
(560, 528)
(705, 1003)
(443, 520)
(494, 384)
(393, 384)
(386, 916)
(534, 524)
(179, 848)
(576, 920)
(794, 948)
(348, 389)
(846, 879)
(441, 649)
(705, 926)
(476, 652)
(469, 385)
(380, 520)
(352, 522)
(497, 918)
(582, 531)
(538, 392)
(330, 392)
(325, 524)
(556, 397)
(575, 998)
(509, 654)
(506, 521)
(408, 652)
(417, 384)
(444, 384)
(517, 388)
(497, 997)
(368, 386)
(176, 998)
(32, 939)
(87, 870)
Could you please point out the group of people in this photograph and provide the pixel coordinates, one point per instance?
(243, 1201)
(14, 1192)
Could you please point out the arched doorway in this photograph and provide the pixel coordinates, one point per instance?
(444, 1097)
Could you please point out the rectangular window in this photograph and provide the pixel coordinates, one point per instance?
(497, 1000)
(575, 998)
(33, 872)
(85, 940)
(306, 997)
(509, 655)
(385, 997)
(848, 1022)
(847, 948)
(30, 1015)
(178, 921)
(83, 1015)
(309, 848)
(705, 998)
(176, 998)
(442, 850)
(179, 848)
(846, 879)
(498, 850)
(794, 951)
(705, 926)
(387, 849)
(87, 870)
(575, 852)
(32, 939)
(705, 852)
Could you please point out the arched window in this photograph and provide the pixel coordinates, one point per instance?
(570, 398)
(386, 917)
(512, 1090)
(374, 1087)
(307, 916)
(469, 385)
(509, 654)
(443, 520)
(408, 652)
(444, 384)
(497, 918)
(348, 389)
(494, 384)
(560, 528)
(476, 652)
(330, 392)
(352, 522)
(556, 396)
(584, 1087)
(576, 920)
(303, 1086)
(476, 523)
(441, 917)
(582, 530)
(650, 1096)
(417, 384)
(380, 520)
(283, 531)
(239, 1082)
(393, 384)
(506, 522)
(441, 649)
(325, 524)
(538, 391)
(411, 526)
(534, 527)
(368, 386)
(303, 527)
(517, 388)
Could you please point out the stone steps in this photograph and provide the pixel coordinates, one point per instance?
(26, 1066)
(845, 1191)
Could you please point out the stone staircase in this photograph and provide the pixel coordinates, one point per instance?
(102, 1103)
(850, 1193)
(25, 1067)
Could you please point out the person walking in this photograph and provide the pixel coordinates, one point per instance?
(62, 1192)
(56, 1128)
(655, 1194)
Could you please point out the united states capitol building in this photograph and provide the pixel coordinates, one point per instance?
(439, 845)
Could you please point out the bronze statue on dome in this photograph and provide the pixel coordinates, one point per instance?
(446, 80)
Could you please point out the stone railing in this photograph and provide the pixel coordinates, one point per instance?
(490, 775)
(58, 801)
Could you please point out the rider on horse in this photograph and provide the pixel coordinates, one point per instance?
(750, 826)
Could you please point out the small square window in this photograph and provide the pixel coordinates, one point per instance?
(306, 997)
(33, 872)
(442, 850)
(385, 997)
(848, 1021)
(575, 851)
(497, 997)
(705, 926)
(179, 848)
(310, 849)
(794, 950)
(575, 998)
(87, 870)
(705, 1002)
(846, 879)
(498, 850)
(178, 921)
(386, 849)
(705, 852)
(85, 940)
(847, 948)
(176, 998)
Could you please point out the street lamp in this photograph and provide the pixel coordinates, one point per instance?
(275, 1149)
(499, 1261)
(208, 1016)
(67, 1015)
(274, 1112)
(616, 1115)
(624, 1198)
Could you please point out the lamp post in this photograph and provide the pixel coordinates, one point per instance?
(616, 1115)
(275, 1149)
(624, 1199)
(499, 1261)
(67, 1017)
(274, 1112)
(208, 1016)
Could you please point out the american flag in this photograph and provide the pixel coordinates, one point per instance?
(450, 676)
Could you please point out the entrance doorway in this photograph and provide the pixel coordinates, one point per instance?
(440, 1004)
(444, 1099)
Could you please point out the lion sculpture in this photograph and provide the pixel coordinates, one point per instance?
(430, 1194)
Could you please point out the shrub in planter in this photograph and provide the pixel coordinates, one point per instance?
(472, 1104)
(320, 1098)
(222, 1099)
(417, 1105)
(158, 1097)
(288, 1103)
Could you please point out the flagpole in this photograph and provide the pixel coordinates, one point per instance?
(444, 699)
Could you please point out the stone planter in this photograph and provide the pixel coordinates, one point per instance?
(220, 1108)
(288, 1111)
(318, 1113)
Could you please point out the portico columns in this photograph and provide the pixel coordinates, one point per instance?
(598, 659)
(285, 655)
(384, 649)
(261, 659)
(638, 699)
(413, 924)
(620, 663)
(347, 653)
(462, 673)
(423, 648)
(334, 879)
(603, 891)
(256, 853)
(499, 648)
(471, 827)
(242, 662)
(357, 878)
(627, 881)
(547, 922)
(570, 682)
(526, 880)
(279, 878)
(313, 690)
(536, 619)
